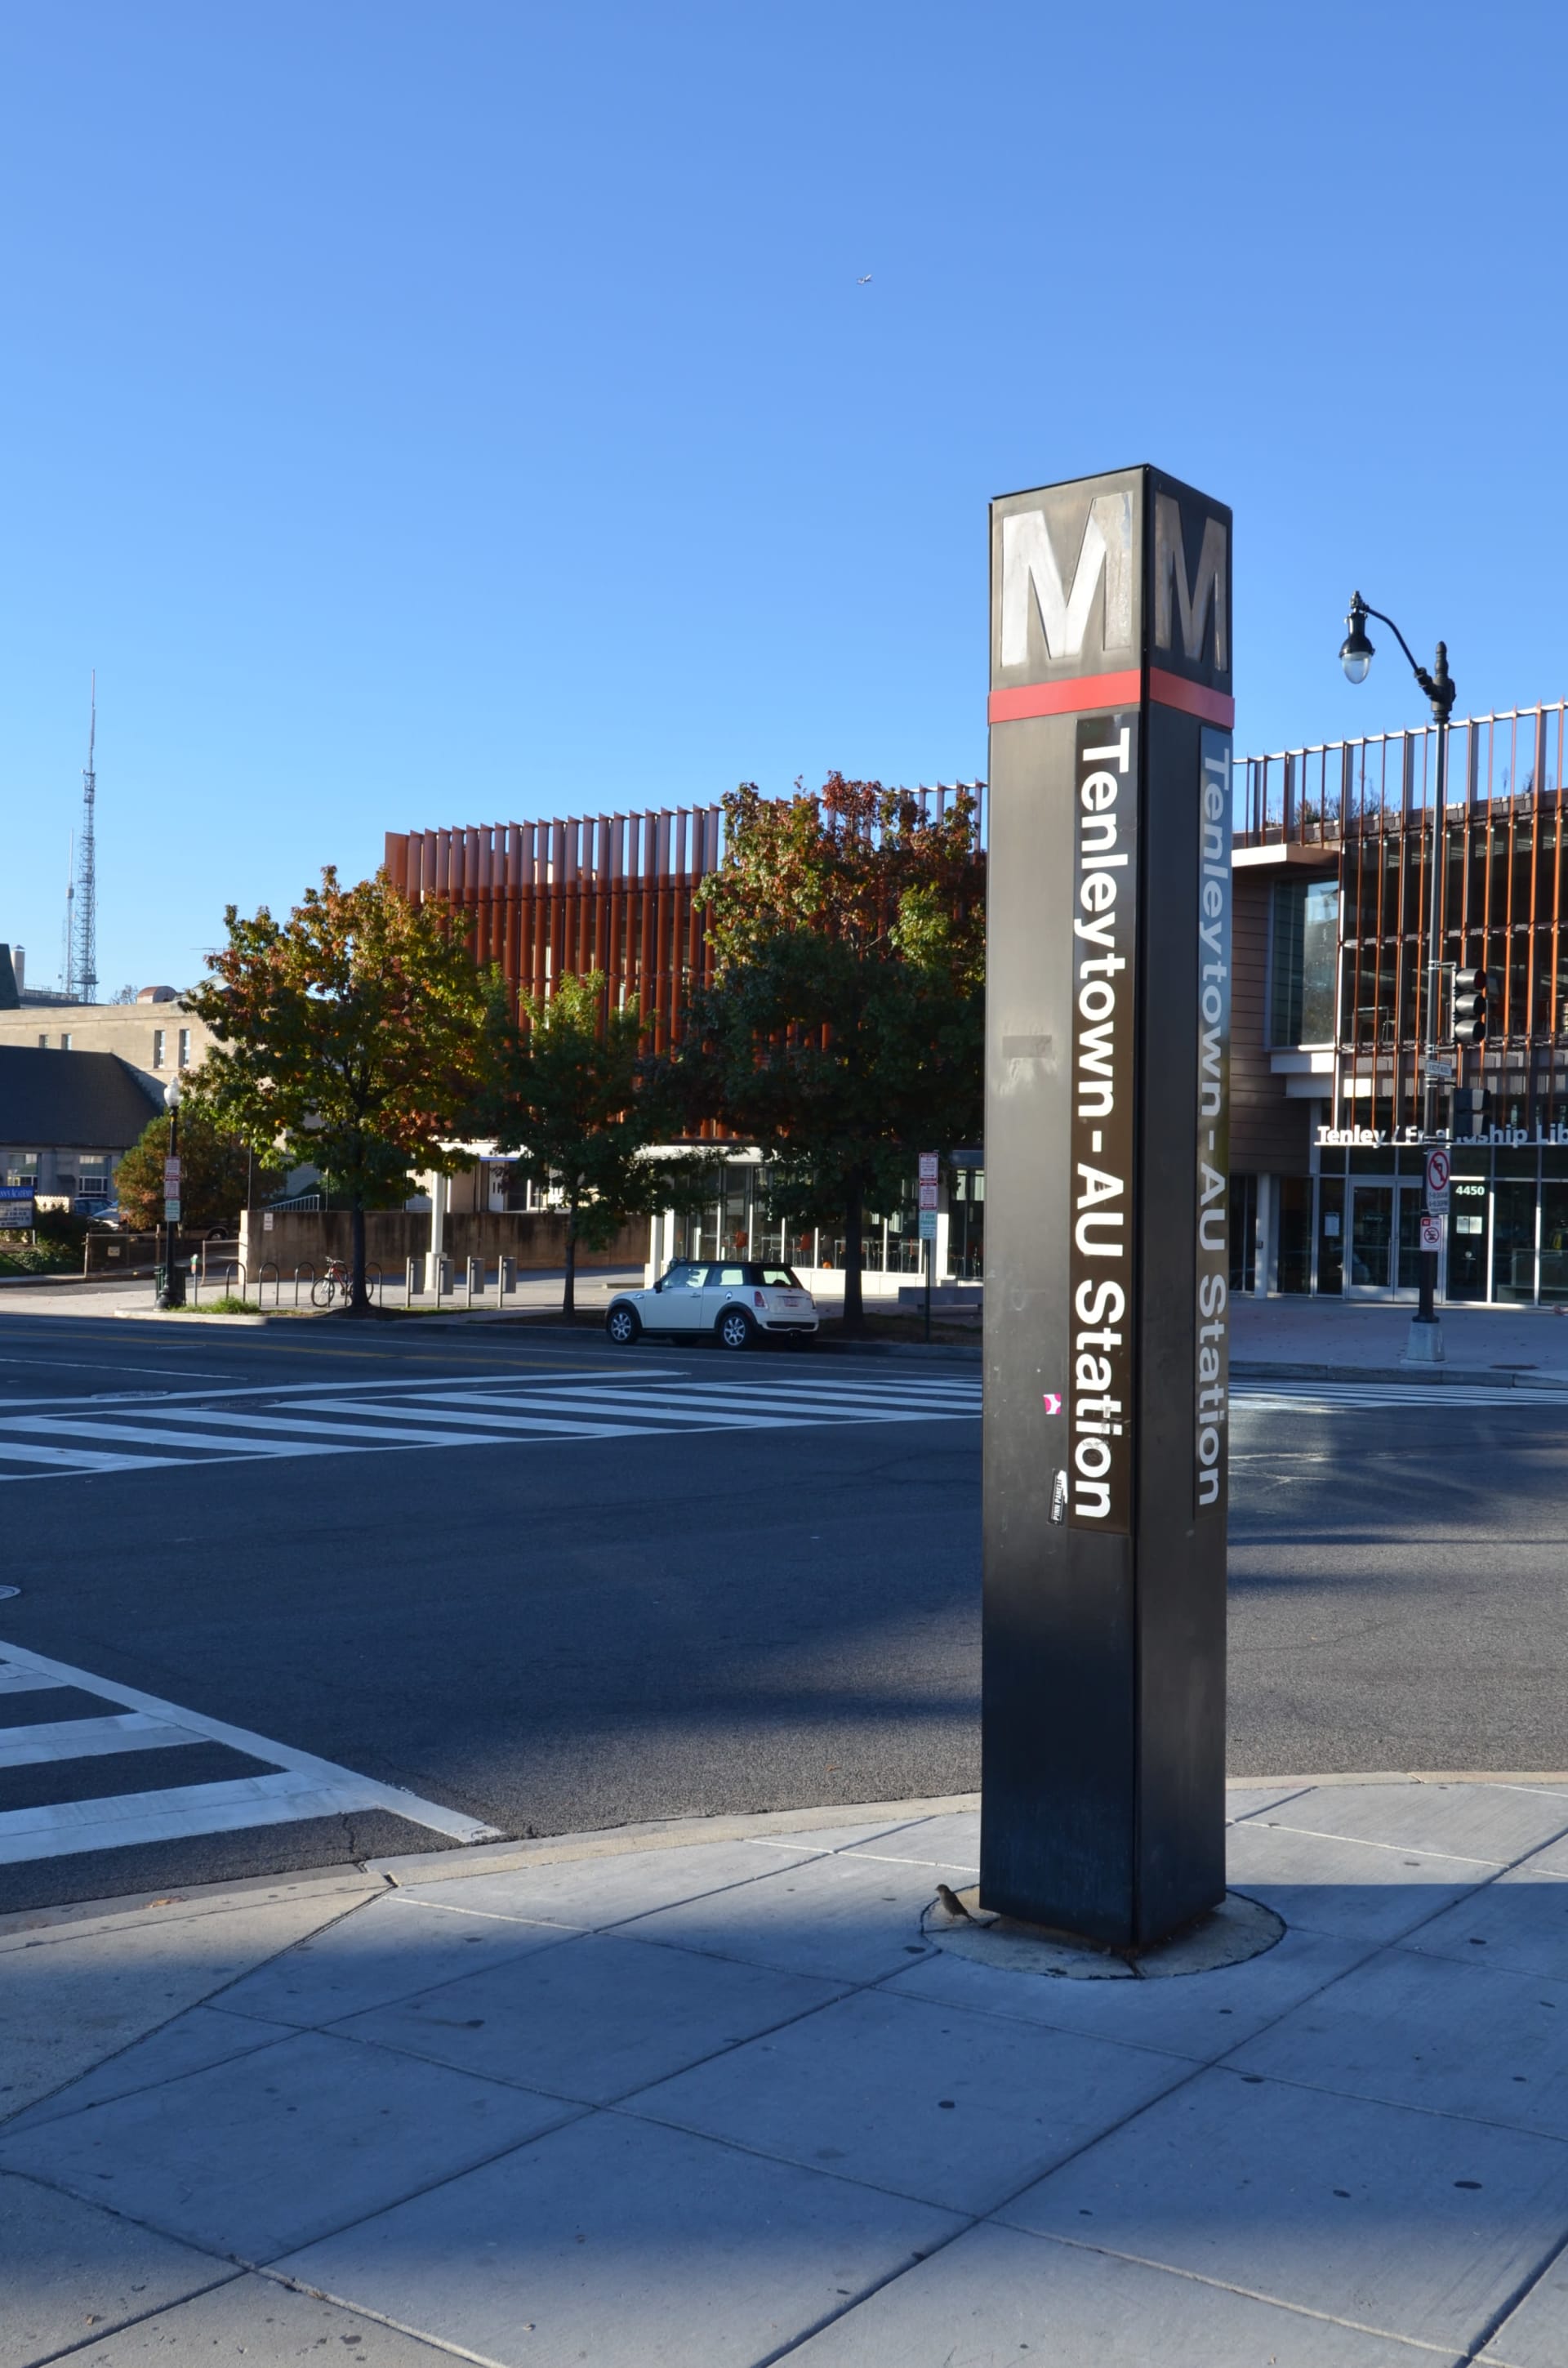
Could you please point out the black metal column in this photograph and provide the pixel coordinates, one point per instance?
(1107, 1158)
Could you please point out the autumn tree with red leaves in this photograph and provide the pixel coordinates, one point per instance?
(349, 1037)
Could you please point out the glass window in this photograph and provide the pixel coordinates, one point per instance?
(1320, 958)
(158, 1043)
(1287, 915)
(1304, 955)
(1513, 1240)
(695, 1278)
(1295, 1253)
(1243, 1232)
(1554, 1242)
(728, 1276)
(185, 1048)
(777, 1277)
(1331, 1234)
(65, 1043)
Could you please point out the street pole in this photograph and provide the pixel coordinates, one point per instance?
(172, 1290)
(1425, 1346)
(1427, 1312)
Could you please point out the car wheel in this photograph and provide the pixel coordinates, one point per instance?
(735, 1329)
(622, 1324)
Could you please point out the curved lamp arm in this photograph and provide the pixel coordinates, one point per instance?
(1440, 685)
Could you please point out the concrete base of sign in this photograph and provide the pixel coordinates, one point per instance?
(1238, 1929)
(1425, 1346)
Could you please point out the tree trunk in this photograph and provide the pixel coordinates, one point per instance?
(854, 1224)
(359, 1296)
(569, 1297)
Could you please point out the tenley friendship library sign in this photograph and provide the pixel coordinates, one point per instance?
(1106, 1318)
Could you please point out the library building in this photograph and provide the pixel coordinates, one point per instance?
(1336, 1094)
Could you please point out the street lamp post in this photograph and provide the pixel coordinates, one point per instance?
(1355, 656)
(171, 1290)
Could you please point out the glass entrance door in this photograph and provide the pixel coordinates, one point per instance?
(1384, 1234)
(1371, 1237)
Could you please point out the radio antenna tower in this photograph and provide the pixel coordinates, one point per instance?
(68, 934)
(84, 979)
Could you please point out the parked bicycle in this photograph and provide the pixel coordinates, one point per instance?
(333, 1284)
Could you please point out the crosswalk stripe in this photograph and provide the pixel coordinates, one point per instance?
(742, 1406)
(88, 1739)
(58, 1426)
(81, 1459)
(552, 1425)
(796, 1395)
(549, 1424)
(65, 1829)
(283, 1421)
(25, 1681)
(222, 1807)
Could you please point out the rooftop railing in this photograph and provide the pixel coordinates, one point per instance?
(1320, 796)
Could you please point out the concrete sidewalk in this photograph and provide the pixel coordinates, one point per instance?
(132, 1295)
(728, 2091)
(1352, 1335)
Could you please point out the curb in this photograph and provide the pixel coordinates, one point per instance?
(367, 1877)
(185, 1315)
(1432, 1377)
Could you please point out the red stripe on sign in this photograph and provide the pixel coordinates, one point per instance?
(1084, 691)
(1174, 691)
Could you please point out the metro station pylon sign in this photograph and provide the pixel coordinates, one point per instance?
(1107, 1161)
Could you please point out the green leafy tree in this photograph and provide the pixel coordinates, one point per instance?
(219, 1172)
(844, 1028)
(564, 1093)
(349, 1037)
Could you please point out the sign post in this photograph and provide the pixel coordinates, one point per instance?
(928, 1161)
(1106, 1154)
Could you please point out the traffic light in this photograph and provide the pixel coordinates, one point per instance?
(1471, 988)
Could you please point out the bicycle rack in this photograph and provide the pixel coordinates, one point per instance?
(307, 1267)
(269, 1266)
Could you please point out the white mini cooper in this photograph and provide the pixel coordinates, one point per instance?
(732, 1304)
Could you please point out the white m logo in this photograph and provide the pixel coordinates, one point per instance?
(1030, 575)
(1193, 602)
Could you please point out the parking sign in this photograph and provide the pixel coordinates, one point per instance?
(1432, 1233)
(1438, 1169)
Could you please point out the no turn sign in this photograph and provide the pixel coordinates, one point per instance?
(1438, 1174)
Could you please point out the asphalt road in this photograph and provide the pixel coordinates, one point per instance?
(550, 1634)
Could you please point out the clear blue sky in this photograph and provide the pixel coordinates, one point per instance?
(465, 411)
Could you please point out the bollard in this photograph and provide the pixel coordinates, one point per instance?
(443, 1278)
(507, 1279)
(475, 1279)
(415, 1278)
